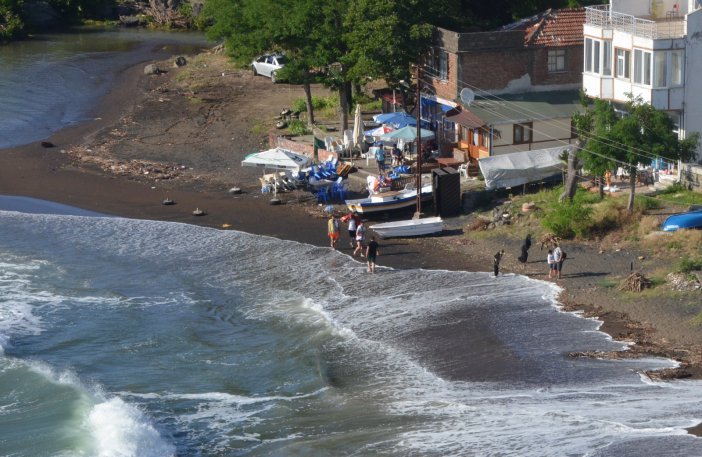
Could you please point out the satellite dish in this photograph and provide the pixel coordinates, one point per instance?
(467, 96)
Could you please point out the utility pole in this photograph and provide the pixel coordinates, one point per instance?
(418, 213)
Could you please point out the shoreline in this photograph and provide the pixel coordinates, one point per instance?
(54, 175)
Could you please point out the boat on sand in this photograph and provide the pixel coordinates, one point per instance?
(689, 220)
(412, 227)
(389, 200)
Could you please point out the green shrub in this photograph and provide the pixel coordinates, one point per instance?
(298, 127)
(567, 220)
(688, 265)
(643, 203)
(299, 105)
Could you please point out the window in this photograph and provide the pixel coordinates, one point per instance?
(642, 67)
(660, 67)
(598, 57)
(607, 58)
(588, 54)
(522, 133)
(439, 64)
(676, 68)
(622, 63)
(556, 60)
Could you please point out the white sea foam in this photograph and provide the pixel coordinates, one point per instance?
(122, 430)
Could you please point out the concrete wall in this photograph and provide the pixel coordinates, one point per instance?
(692, 119)
(275, 140)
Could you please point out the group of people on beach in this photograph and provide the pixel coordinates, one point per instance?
(357, 237)
(555, 259)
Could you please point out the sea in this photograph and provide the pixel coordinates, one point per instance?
(123, 337)
(138, 338)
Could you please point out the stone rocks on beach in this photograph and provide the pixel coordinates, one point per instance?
(152, 69)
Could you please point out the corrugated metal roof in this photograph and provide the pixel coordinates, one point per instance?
(466, 118)
(531, 106)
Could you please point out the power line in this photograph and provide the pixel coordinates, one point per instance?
(617, 145)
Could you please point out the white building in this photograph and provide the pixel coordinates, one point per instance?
(648, 48)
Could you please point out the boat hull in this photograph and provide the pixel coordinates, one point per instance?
(690, 220)
(412, 227)
(379, 203)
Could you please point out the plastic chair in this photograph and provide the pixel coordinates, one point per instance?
(339, 189)
(322, 194)
(463, 170)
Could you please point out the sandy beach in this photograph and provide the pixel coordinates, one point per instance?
(155, 123)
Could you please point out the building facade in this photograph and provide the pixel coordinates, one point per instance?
(647, 49)
(542, 54)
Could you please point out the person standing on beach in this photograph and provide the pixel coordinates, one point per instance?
(558, 260)
(372, 252)
(353, 219)
(360, 238)
(551, 264)
(380, 158)
(498, 257)
(525, 250)
(333, 230)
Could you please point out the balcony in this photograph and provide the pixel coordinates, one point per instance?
(673, 26)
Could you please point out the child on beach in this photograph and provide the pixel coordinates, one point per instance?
(333, 230)
(551, 261)
(372, 252)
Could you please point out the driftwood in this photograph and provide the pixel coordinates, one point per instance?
(635, 282)
(549, 240)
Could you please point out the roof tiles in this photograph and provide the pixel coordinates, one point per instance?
(557, 28)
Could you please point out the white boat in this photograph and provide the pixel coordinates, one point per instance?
(412, 227)
(389, 200)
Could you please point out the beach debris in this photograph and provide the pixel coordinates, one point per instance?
(168, 201)
(235, 190)
(47, 144)
(635, 282)
(199, 212)
(226, 226)
(180, 61)
(549, 240)
(682, 281)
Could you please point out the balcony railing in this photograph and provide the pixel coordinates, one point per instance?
(601, 16)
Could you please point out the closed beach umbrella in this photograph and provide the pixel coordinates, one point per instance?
(357, 139)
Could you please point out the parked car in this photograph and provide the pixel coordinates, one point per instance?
(268, 65)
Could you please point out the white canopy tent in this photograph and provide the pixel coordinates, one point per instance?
(277, 159)
(510, 170)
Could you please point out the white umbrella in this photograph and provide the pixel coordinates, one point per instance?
(277, 159)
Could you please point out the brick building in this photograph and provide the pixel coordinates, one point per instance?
(540, 54)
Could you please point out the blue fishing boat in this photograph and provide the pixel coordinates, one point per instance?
(689, 220)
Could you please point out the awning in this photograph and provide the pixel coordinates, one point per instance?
(466, 119)
(446, 105)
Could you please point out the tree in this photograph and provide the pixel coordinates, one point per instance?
(643, 134)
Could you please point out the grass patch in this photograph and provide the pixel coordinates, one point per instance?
(608, 283)
(678, 194)
(259, 128)
(320, 105)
